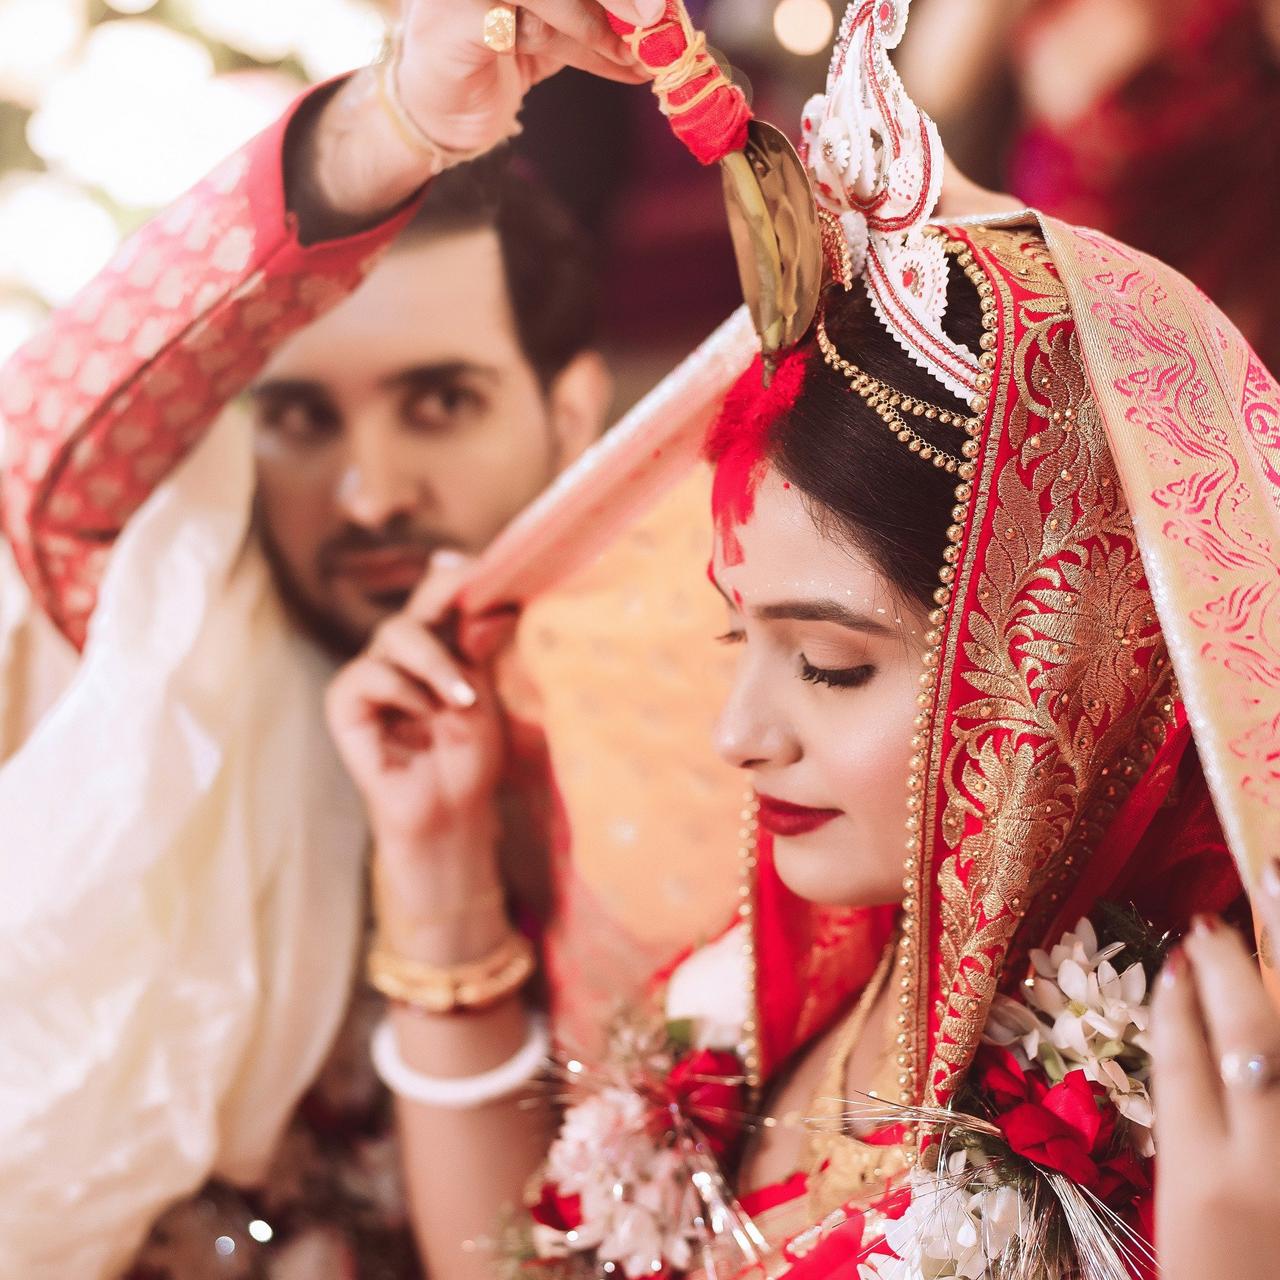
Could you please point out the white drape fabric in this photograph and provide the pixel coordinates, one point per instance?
(180, 883)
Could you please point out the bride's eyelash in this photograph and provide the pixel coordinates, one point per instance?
(731, 637)
(835, 677)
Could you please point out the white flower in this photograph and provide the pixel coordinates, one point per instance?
(1129, 1096)
(637, 1199)
(958, 1226)
(1082, 1013)
(1010, 1023)
(1080, 946)
(834, 150)
(652, 1223)
(602, 1137)
(1096, 1011)
(829, 147)
(711, 990)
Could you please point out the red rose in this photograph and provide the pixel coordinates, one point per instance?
(1003, 1079)
(1124, 1179)
(560, 1213)
(709, 1089)
(1067, 1129)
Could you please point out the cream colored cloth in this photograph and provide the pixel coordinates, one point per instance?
(180, 882)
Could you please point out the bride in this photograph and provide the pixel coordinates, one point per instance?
(971, 634)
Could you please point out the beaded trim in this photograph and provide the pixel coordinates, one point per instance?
(892, 405)
(908, 958)
(749, 861)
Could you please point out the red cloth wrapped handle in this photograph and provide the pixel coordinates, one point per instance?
(707, 113)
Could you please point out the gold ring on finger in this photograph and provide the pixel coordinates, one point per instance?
(500, 28)
(1249, 1072)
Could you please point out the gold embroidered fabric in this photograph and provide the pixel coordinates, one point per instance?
(1053, 675)
(1193, 421)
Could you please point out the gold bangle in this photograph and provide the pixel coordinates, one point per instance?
(386, 76)
(435, 989)
(389, 100)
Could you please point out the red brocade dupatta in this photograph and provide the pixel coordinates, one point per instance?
(1052, 765)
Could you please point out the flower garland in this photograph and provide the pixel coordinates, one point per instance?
(633, 1186)
(1041, 1167)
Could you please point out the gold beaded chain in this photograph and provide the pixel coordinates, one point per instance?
(748, 861)
(910, 944)
(891, 404)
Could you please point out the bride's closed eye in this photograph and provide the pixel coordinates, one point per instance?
(732, 637)
(836, 677)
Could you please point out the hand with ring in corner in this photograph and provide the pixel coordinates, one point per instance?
(1216, 1045)
(462, 67)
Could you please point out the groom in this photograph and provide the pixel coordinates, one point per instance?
(418, 367)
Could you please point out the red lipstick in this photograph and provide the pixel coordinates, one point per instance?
(783, 819)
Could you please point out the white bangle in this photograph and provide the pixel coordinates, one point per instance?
(462, 1093)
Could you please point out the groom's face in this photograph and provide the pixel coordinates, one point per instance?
(406, 420)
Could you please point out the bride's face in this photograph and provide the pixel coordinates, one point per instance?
(823, 704)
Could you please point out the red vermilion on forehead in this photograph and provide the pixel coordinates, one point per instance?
(738, 445)
(733, 498)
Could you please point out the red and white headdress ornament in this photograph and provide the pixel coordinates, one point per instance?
(876, 163)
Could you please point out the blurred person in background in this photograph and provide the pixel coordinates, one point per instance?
(177, 946)
(1151, 120)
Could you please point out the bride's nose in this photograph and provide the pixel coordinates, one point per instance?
(752, 731)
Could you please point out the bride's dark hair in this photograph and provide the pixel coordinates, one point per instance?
(859, 480)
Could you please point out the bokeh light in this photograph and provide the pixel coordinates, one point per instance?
(804, 27)
(53, 236)
(37, 40)
(327, 36)
(19, 319)
(342, 36)
(116, 108)
(141, 116)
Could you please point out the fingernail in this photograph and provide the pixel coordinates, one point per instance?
(1175, 966)
(1205, 924)
(444, 559)
(650, 11)
(463, 694)
(1271, 878)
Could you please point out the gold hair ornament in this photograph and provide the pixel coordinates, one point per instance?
(893, 405)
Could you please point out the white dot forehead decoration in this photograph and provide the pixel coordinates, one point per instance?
(876, 163)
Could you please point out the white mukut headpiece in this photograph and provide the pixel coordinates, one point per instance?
(876, 164)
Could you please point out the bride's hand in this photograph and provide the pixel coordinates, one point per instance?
(1217, 1048)
(422, 736)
